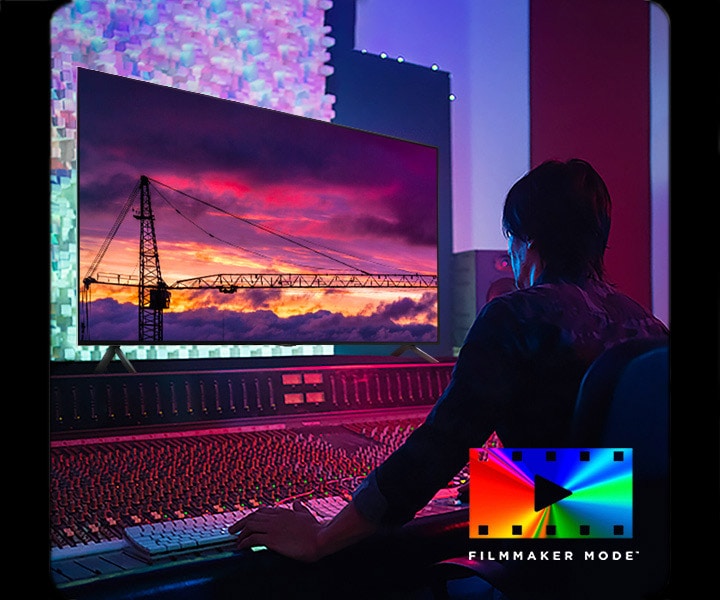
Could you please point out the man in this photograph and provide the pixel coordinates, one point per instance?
(517, 374)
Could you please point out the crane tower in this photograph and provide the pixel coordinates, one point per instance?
(153, 294)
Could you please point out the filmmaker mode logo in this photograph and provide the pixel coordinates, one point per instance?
(550, 493)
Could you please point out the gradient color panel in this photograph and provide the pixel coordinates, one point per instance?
(581, 493)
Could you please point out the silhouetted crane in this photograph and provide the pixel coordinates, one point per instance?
(154, 294)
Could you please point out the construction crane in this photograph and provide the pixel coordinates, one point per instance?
(154, 294)
(89, 278)
(229, 284)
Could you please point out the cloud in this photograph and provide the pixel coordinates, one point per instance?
(113, 322)
(407, 308)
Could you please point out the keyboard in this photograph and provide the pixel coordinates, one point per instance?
(182, 536)
(159, 540)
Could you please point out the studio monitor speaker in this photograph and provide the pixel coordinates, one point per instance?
(478, 276)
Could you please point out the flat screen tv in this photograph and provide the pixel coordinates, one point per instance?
(209, 221)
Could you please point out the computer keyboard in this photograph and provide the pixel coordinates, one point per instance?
(170, 538)
(194, 534)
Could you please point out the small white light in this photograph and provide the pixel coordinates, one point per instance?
(383, 55)
(434, 67)
(452, 97)
(400, 59)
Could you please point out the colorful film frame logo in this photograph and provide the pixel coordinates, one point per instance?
(551, 493)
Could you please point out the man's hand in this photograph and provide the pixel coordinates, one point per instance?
(292, 533)
(297, 533)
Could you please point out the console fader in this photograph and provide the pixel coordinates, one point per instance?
(82, 403)
(129, 449)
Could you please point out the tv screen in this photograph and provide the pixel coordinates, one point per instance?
(210, 221)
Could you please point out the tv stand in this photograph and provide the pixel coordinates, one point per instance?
(111, 353)
(416, 350)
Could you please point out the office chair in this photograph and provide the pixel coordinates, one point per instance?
(622, 402)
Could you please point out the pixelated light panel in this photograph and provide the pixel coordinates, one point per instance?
(269, 54)
(551, 493)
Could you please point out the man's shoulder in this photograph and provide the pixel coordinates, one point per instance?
(552, 300)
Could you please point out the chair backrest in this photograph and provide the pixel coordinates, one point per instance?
(624, 402)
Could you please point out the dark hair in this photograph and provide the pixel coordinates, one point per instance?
(564, 209)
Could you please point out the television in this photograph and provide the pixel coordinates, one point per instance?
(204, 220)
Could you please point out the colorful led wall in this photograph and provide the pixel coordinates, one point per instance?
(266, 53)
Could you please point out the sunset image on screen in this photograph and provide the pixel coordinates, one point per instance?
(255, 225)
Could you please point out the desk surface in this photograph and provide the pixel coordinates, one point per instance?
(388, 565)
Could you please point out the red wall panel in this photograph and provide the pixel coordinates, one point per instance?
(590, 98)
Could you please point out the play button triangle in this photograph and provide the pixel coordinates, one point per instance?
(547, 492)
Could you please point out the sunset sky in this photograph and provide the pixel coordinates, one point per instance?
(237, 189)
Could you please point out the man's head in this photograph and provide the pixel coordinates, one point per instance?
(557, 221)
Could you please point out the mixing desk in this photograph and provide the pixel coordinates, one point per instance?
(147, 470)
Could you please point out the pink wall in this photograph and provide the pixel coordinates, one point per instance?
(590, 98)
